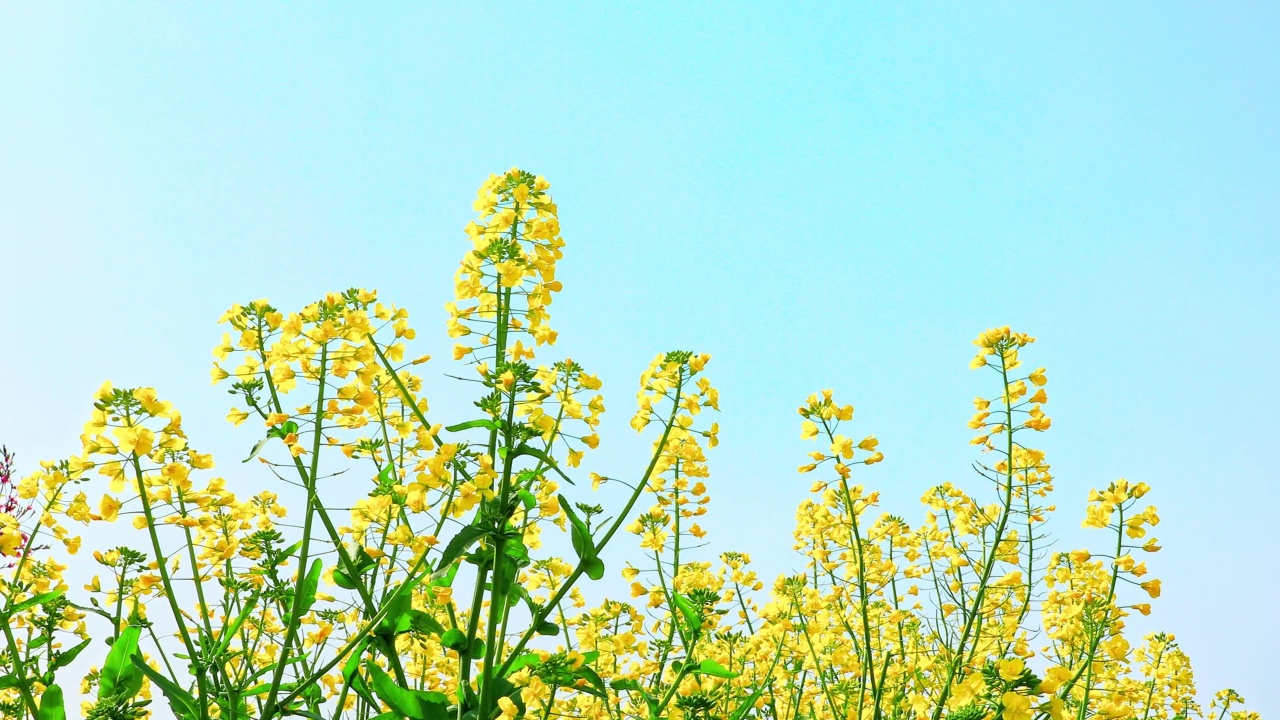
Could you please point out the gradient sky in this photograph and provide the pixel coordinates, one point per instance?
(819, 196)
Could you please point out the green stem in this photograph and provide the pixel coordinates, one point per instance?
(604, 540)
(171, 595)
(304, 553)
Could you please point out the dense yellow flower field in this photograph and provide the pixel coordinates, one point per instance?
(452, 586)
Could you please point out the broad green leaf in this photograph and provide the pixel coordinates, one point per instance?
(283, 431)
(310, 584)
(527, 499)
(399, 699)
(581, 537)
(51, 705)
(715, 669)
(397, 609)
(66, 657)
(118, 670)
(183, 704)
(691, 616)
(515, 549)
(594, 567)
(459, 544)
(33, 601)
(234, 627)
(537, 454)
(353, 661)
(524, 661)
(595, 685)
(454, 639)
(260, 672)
(279, 431)
(423, 622)
(364, 560)
(649, 699)
(257, 448)
(750, 702)
(468, 425)
(446, 579)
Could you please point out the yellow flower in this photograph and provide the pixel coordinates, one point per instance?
(11, 540)
(217, 374)
(1010, 669)
(136, 439)
(808, 430)
(109, 508)
(1016, 707)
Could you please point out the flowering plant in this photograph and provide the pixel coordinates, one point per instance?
(434, 570)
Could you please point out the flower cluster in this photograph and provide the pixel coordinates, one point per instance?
(430, 570)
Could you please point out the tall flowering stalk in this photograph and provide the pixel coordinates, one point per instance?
(435, 570)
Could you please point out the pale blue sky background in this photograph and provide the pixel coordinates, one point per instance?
(818, 195)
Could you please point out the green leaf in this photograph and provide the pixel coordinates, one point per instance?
(362, 689)
(230, 631)
(118, 673)
(268, 668)
(66, 657)
(397, 698)
(423, 622)
(527, 499)
(515, 549)
(715, 669)
(546, 627)
(279, 431)
(595, 683)
(537, 454)
(445, 579)
(8, 681)
(649, 699)
(343, 580)
(257, 448)
(749, 703)
(524, 661)
(454, 639)
(51, 705)
(182, 703)
(33, 601)
(385, 476)
(579, 534)
(594, 568)
(353, 661)
(691, 616)
(468, 425)
(283, 431)
(364, 560)
(310, 584)
(459, 544)
(398, 608)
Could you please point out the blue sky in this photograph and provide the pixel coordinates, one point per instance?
(818, 195)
